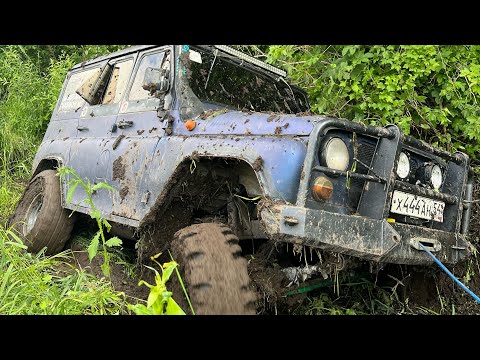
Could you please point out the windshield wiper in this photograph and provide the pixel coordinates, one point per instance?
(211, 67)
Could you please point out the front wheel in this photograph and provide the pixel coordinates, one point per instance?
(213, 270)
(39, 217)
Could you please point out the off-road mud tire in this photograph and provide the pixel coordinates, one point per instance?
(53, 225)
(213, 271)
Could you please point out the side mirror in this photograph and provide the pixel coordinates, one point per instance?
(156, 80)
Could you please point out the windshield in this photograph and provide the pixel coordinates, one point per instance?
(213, 79)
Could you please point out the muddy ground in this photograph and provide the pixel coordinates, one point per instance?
(404, 289)
(395, 289)
(121, 279)
(421, 290)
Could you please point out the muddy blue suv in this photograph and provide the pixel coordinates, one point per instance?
(214, 154)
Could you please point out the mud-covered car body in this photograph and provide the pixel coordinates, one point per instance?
(137, 140)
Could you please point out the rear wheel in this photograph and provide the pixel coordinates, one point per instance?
(39, 217)
(213, 271)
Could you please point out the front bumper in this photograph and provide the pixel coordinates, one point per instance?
(365, 233)
(362, 237)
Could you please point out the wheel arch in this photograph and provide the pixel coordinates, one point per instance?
(48, 163)
(246, 171)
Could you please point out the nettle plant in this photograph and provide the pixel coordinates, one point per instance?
(95, 213)
(160, 300)
(428, 91)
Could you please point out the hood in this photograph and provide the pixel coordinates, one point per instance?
(243, 123)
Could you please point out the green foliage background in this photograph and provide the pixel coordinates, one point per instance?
(429, 91)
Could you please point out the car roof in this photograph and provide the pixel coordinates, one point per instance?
(129, 50)
(133, 49)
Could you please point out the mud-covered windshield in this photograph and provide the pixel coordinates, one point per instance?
(213, 79)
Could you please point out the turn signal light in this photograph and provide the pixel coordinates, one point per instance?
(322, 188)
(190, 125)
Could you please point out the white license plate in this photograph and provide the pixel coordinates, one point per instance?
(417, 206)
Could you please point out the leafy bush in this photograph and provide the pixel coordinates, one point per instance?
(428, 91)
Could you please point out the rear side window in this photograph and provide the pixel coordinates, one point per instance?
(71, 100)
(107, 85)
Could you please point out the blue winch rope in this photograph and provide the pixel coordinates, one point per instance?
(477, 299)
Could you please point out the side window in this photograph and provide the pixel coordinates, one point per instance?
(71, 100)
(118, 82)
(107, 84)
(151, 61)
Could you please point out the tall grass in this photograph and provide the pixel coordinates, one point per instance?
(37, 284)
(359, 297)
(27, 98)
(31, 78)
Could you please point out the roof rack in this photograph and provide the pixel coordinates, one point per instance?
(251, 59)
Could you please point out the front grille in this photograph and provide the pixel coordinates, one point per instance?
(365, 152)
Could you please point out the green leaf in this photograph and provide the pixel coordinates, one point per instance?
(106, 269)
(167, 270)
(96, 214)
(6, 277)
(71, 190)
(140, 309)
(114, 241)
(19, 245)
(154, 270)
(153, 296)
(93, 247)
(102, 185)
(106, 224)
(173, 308)
(158, 307)
(143, 282)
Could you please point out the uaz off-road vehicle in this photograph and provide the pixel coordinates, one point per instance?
(207, 145)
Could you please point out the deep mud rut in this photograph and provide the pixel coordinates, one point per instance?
(420, 289)
(424, 288)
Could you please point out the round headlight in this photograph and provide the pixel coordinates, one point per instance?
(403, 167)
(436, 177)
(335, 154)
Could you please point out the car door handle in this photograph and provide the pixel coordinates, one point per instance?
(122, 124)
(82, 128)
